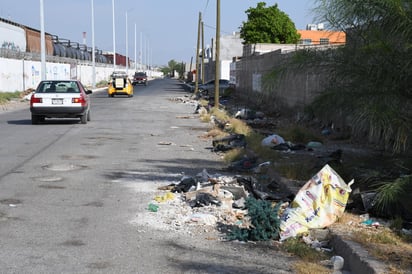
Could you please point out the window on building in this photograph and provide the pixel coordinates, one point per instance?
(324, 41)
(306, 41)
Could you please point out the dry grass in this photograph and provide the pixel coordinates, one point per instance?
(298, 134)
(238, 127)
(310, 268)
(299, 248)
(382, 242)
(233, 155)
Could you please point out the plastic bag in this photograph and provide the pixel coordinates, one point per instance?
(317, 204)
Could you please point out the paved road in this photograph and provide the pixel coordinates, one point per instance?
(73, 197)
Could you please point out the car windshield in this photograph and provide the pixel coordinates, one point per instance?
(140, 74)
(58, 87)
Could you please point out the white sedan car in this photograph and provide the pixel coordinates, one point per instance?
(60, 99)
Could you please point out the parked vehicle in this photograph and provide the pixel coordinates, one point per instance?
(120, 84)
(210, 86)
(60, 99)
(140, 78)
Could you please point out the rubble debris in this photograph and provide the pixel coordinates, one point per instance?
(205, 199)
(185, 184)
(202, 218)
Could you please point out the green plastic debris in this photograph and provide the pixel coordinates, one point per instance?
(153, 207)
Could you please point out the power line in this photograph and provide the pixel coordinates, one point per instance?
(214, 28)
(207, 4)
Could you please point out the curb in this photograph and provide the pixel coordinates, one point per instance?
(357, 259)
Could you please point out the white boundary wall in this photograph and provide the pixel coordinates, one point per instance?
(21, 75)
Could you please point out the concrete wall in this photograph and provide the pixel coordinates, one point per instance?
(268, 81)
(230, 47)
(21, 74)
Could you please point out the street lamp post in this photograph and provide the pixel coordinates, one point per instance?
(127, 47)
(135, 48)
(114, 39)
(93, 51)
(141, 51)
(42, 42)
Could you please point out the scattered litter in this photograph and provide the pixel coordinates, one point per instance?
(248, 114)
(407, 232)
(165, 143)
(185, 184)
(184, 117)
(205, 199)
(261, 167)
(164, 198)
(337, 262)
(229, 142)
(244, 164)
(153, 207)
(273, 140)
(315, 243)
(370, 222)
(314, 144)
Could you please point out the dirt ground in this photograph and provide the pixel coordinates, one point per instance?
(364, 163)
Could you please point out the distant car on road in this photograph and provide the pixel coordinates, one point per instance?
(210, 86)
(120, 84)
(140, 78)
(60, 99)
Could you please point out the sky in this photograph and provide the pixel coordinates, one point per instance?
(161, 30)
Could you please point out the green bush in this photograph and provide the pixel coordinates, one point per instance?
(265, 222)
(7, 96)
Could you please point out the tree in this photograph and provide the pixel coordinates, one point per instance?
(372, 76)
(172, 67)
(268, 25)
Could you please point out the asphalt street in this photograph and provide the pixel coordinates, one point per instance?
(71, 194)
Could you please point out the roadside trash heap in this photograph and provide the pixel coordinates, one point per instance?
(251, 211)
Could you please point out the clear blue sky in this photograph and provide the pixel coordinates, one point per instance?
(168, 28)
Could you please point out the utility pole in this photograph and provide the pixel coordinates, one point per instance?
(197, 54)
(203, 53)
(217, 59)
(190, 67)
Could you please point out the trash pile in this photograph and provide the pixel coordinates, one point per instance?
(250, 211)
